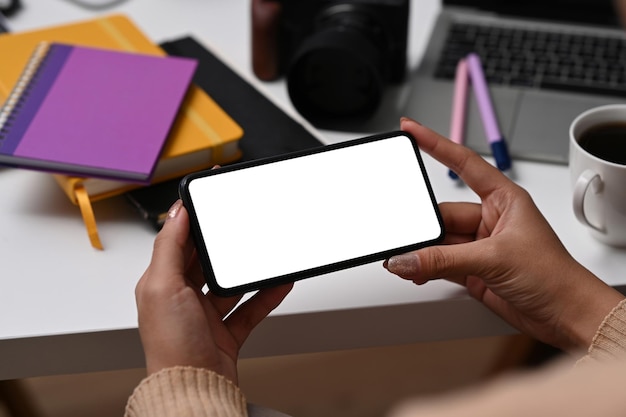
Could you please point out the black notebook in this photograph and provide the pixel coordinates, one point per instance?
(268, 130)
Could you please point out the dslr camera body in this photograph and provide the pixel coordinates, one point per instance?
(337, 55)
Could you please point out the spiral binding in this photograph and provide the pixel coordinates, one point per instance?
(11, 107)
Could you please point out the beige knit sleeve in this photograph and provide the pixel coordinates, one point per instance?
(610, 340)
(186, 392)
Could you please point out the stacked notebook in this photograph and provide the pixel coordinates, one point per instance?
(78, 107)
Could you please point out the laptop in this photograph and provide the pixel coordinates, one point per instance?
(535, 99)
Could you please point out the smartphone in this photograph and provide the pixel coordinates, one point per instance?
(302, 214)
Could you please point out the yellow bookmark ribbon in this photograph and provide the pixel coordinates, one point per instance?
(88, 216)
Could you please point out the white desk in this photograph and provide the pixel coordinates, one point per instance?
(65, 307)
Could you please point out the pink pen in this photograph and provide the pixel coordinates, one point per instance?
(459, 104)
(487, 113)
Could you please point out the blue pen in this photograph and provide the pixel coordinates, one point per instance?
(487, 113)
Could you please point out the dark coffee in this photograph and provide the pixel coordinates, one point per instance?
(606, 141)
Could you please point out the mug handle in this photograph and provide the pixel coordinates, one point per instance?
(586, 179)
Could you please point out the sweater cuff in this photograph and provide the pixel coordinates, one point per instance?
(186, 391)
(610, 339)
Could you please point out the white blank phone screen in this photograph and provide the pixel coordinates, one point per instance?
(293, 215)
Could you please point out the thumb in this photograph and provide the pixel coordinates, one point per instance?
(453, 262)
(171, 246)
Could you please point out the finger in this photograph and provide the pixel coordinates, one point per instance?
(193, 269)
(467, 164)
(443, 261)
(194, 272)
(457, 238)
(171, 249)
(249, 314)
(461, 218)
(455, 280)
(223, 305)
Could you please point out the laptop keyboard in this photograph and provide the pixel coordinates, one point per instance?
(539, 59)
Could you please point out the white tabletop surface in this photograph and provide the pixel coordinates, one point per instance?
(65, 307)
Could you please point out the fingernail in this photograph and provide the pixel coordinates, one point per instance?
(407, 264)
(173, 211)
(408, 119)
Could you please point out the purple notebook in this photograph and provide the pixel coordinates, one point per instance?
(92, 112)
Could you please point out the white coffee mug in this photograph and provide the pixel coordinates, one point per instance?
(599, 186)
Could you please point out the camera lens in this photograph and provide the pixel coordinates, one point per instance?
(339, 71)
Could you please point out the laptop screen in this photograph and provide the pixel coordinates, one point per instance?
(598, 12)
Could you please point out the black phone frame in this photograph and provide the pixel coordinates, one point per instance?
(204, 257)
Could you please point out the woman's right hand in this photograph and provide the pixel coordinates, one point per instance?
(506, 254)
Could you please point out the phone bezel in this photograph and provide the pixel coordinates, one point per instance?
(202, 251)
